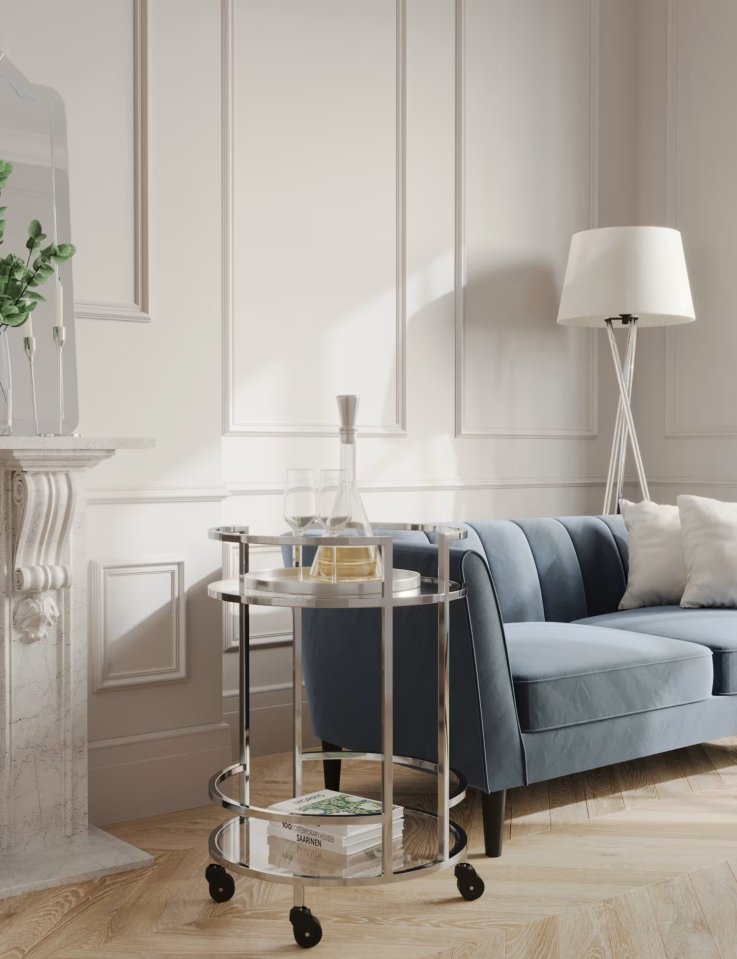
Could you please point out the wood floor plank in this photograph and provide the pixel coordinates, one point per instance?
(723, 756)
(530, 809)
(635, 783)
(681, 921)
(582, 934)
(80, 913)
(567, 801)
(633, 929)
(535, 940)
(699, 769)
(668, 776)
(603, 794)
(490, 946)
(716, 890)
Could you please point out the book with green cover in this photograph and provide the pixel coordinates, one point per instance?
(328, 802)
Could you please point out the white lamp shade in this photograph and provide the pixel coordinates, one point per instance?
(637, 270)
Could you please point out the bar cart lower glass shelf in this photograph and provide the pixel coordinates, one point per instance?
(430, 841)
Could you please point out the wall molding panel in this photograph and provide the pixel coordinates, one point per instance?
(460, 245)
(673, 427)
(142, 496)
(105, 676)
(138, 310)
(232, 425)
(275, 488)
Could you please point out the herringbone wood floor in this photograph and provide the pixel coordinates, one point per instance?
(637, 861)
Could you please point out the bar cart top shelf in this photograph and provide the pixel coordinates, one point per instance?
(340, 595)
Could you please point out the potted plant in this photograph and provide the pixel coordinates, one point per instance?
(20, 277)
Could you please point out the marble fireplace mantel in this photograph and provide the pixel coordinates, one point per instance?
(45, 836)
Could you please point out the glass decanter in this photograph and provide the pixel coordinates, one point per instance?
(346, 564)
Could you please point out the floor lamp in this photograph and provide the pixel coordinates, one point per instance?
(629, 276)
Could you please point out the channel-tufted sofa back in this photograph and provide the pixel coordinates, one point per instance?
(554, 569)
(558, 570)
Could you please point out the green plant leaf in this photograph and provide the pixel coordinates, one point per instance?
(65, 251)
(34, 228)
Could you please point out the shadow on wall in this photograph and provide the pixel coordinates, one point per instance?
(522, 296)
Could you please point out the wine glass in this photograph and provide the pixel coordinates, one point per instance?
(327, 491)
(300, 506)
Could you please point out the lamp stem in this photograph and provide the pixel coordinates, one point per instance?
(619, 439)
(629, 375)
(626, 410)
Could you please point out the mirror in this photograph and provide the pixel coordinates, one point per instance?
(33, 138)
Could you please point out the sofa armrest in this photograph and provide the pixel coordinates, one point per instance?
(480, 673)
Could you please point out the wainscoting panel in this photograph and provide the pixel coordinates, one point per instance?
(314, 218)
(138, 631)
(526, 169)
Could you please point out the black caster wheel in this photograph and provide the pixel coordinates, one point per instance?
(306, 927)
(470, 884)
(221, 883)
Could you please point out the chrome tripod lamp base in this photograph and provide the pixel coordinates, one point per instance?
(624, 424)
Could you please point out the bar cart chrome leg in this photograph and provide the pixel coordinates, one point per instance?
(443, 699)
(297, 705)
(221, 884)
(387, 712)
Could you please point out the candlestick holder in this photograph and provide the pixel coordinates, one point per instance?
(29, 345)
(59, 337)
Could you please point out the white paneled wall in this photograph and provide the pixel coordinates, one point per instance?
(307, 197)
(688, 151)
(528, 179)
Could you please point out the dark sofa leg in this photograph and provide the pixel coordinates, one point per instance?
(331, 767)
(492, 810)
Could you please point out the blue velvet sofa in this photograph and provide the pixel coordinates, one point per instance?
(547, 676)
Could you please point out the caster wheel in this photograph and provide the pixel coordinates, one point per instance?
(221, 883)
(306, 927)
(470, 884)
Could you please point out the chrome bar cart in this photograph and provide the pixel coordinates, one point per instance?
(241, 843)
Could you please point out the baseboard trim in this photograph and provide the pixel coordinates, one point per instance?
(132, 777)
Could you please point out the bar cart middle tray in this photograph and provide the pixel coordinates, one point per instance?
(431, 840)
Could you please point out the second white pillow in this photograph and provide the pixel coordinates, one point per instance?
(657, 571)
(710, 550)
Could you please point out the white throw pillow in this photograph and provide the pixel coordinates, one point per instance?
(709, 533)
(657, 573)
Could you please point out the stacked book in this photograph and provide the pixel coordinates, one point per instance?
(347, 850)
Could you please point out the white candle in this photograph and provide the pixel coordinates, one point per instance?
(59, 305)
(29, 331)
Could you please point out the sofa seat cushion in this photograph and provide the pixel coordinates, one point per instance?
(714, 628)
(566, 673)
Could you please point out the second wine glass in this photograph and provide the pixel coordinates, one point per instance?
(300, 506)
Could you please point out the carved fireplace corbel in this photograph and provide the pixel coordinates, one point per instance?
(43, 514)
